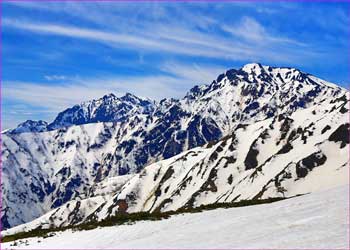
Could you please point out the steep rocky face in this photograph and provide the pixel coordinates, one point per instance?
(113, 136)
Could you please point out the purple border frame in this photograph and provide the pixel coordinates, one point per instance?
(213, 1)
(198, 1)
(0, 120)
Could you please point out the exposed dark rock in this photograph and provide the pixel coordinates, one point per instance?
(341, 134)
(251, 161)
(285, 149)
(309, 163)
(324, 130)
(230, 179)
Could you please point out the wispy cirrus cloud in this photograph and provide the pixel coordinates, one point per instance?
(55, 77)
(174, 29)
(252, 31)
(176, 40)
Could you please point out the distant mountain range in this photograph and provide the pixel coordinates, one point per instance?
(253, 133)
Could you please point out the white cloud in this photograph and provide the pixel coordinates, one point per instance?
(251, 30)
(55, 77)
(171, 38)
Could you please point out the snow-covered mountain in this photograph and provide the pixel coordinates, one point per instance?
(252, 133)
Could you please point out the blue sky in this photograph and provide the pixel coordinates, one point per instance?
(59, 54)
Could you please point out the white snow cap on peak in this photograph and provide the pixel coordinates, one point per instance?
(252, 67)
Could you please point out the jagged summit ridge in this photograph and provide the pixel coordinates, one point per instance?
(109, 108)
(29, 126)
(253, 79)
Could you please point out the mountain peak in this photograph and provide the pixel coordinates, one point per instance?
(109, 96)
(128, 94)
(129, 97)
(253, 67)
(250, 66)
(29, 126)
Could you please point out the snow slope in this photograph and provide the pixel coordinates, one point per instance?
(315, 221)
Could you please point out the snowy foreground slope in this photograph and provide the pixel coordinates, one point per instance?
(252, 133)
(315, 221)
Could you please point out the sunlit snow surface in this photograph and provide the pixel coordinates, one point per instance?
(319, 220)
